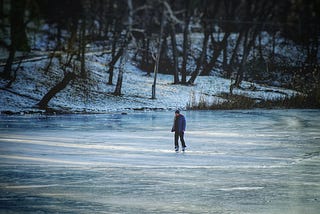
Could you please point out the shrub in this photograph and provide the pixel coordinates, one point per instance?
(242, 102)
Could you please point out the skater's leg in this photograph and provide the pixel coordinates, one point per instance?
(183, 144)
(176, 139)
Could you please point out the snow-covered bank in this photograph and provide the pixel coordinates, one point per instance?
(95, 96)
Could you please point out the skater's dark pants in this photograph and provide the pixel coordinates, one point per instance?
(176, 139)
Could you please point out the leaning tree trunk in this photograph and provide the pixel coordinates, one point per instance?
(247, 45)
(236, 49)
(196, 72)
(43, 104)
(217, 52)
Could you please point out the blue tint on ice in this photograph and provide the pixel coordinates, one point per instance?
(259, 161)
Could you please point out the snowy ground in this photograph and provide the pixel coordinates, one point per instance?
(96, 96)
(261, 161)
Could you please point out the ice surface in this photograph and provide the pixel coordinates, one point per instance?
(261, 161)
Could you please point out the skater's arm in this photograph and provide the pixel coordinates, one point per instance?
(173, 125)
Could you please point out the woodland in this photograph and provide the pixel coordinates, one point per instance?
(156, 34)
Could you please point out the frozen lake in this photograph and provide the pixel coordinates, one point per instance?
(259, 161)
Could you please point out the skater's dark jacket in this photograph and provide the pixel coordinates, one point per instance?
(179, 124)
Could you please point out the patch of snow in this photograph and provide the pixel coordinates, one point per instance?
(95, 95)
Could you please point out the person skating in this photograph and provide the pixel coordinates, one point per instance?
(179, 127)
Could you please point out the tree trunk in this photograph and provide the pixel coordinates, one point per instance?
(273, 52)
(185, 45)
(43, 104)
(219, 47)
(175, 55)
(12, 79)
(7, 72)
(1, 9)
(235, 50)
(156, 67)
(196, 72)
(18, 33)
(51, 56)
(210, 11)
(110, 71)
(83, 72)
(18, 36)
(262, 13)
(260, 48)
(247, 45)
(117, 91)
(124, 56)
(114, 60)
(245, 54)
(225, 60)
(147, 53)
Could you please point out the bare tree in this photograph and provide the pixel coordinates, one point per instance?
(174, 53)
(260, 11)
(18, 36)
(43, 104)
(68, 75)
(127, 39)
(157, 57)
(185, 48)
(200, 60)
(123, 60)
(115, 56)
(210, 11)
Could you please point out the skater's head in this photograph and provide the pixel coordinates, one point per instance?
(177, 112)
